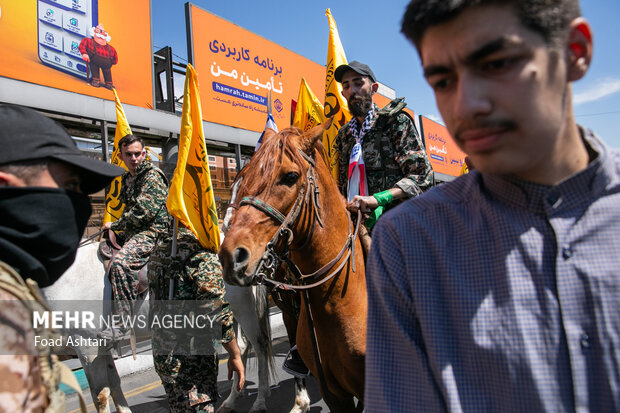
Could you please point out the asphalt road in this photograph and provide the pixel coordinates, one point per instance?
(145, 393)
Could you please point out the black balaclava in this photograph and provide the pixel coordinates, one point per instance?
(40, 230)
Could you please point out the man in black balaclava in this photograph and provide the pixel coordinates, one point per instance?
(44, 209)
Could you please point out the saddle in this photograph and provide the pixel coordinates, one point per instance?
(108, 248)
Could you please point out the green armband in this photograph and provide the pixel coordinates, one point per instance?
(384, 198)
(374, 216)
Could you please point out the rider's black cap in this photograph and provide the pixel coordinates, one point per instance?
(355, 66)
(27, 135)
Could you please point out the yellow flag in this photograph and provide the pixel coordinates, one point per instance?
(309, 109)
(464, 169)
(113, 205)
(190, 198)
(151, 155)
(335, 103)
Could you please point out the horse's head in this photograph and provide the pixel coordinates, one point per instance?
(276, 188)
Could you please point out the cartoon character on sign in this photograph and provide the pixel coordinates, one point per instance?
(99, 54)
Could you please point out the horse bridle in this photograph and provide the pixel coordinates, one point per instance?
(271, 260)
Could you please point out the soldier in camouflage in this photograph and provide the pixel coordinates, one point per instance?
(144, 190)
(44, 210)
(185, 358)
(395, 161)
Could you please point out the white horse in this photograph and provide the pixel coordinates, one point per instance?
(251, 310)
(85, 286)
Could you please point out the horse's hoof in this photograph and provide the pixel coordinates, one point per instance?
(225, 409)
(102, 400)
(300, 408)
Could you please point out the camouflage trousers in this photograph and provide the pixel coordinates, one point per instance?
(125, 269)
(190, 382)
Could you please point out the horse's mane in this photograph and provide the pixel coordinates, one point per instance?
(262, 166)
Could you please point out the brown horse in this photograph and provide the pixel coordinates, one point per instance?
(292, 213)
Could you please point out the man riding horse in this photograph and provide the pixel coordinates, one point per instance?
(144, 190)
(382, 159)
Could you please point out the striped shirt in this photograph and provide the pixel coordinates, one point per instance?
(489, 294)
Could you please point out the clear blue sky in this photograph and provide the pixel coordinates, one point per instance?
(370, 32)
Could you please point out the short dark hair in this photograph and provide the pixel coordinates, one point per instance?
(128, 140)
(549, 18)
(27, 171)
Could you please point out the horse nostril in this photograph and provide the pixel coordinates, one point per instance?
(241, 256)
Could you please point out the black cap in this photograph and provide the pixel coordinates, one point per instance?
(27, 135)
(357, 67)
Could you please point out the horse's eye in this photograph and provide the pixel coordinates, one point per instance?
(290, 178)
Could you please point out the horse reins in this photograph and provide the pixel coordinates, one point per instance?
(90, 239)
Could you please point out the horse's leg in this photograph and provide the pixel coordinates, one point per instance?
(229, 404)
(101, 372)
(257, 330)
(114, 381)
(252, 313)
(103, 401)
(96, 378)
(260, 404)
(286, 303)
(302, 399)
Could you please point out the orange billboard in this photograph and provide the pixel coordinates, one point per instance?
(237, 70)
(82, 46)
(382, 101)
(444, 154)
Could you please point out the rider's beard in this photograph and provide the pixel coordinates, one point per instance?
(359, 106)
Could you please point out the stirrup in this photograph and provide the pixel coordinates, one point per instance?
(294, 365)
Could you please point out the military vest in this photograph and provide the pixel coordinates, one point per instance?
(53, 372)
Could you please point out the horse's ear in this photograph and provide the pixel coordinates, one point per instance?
(269, 133)
(312, 136)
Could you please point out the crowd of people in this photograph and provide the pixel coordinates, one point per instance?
(498, 291)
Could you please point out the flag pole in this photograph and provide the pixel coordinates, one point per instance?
(173, 255)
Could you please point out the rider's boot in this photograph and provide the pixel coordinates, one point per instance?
(294, 365)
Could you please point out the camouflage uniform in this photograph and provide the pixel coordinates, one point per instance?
(188, 364)
(29, 374)
(143, 219)
(394, 156)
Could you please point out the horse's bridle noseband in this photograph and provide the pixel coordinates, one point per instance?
(271, 260)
